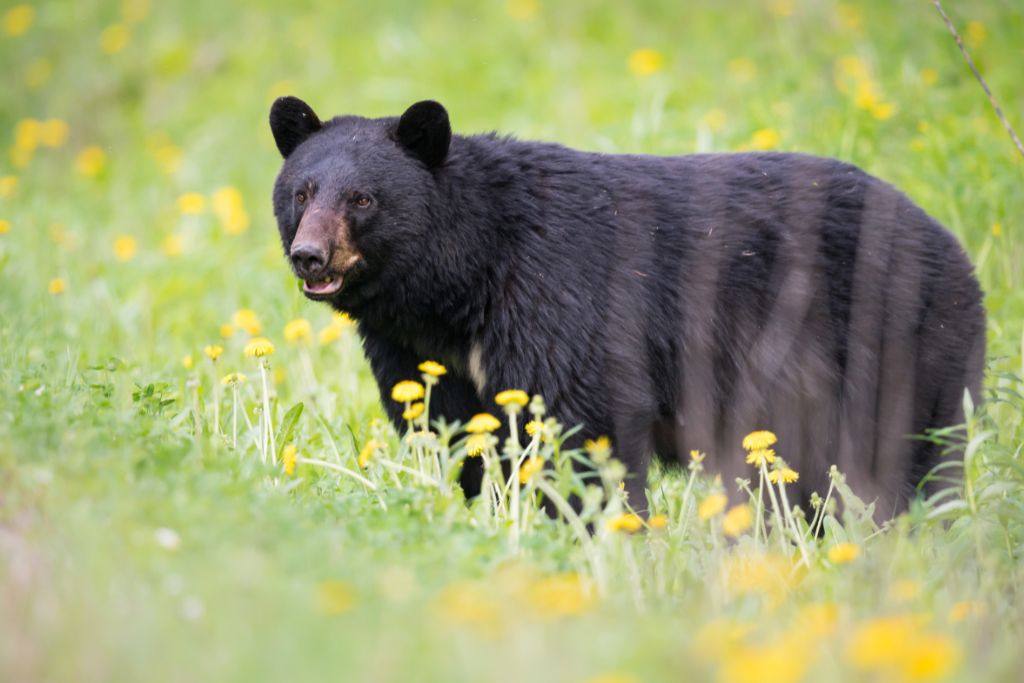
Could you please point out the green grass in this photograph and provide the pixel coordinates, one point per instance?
(106, 439)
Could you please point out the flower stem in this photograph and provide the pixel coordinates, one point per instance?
(775, 507)
(339, 468)
(578, 528)
(792, 523)
(216, 402)
(268, 436)
(395, 467)
(234, 417)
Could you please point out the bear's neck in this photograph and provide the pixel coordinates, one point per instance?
(480, 204)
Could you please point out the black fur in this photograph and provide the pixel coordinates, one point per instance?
(672, 303)
(292, 121)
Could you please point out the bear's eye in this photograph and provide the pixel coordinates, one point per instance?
(300, 197)
(361, 200)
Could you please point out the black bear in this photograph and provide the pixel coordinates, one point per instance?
(671, 303)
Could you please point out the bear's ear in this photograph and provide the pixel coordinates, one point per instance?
(424, 131)
(292, 121)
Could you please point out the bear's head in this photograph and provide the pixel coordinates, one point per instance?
(355, 195)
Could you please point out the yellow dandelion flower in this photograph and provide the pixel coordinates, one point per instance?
(930, 657)
(227, 331)
(599, 446)
(976, 33)
(717, 639)
(234, 379)
(715, 119)
(258, 348)
(512, 397)
(90, 161)
(366, 454)
(613, 678)
(468, 602)
(329, 334)
(125, 248)
(997, 229)
(769, 574)
(334, 597)
(761, 456)
(298, 330)
(56, 286)
(881, 643)
(247, 319)
(883, 110)
(27, 133)
(53, 133)
(866, 95)
(289, 457)
(758, 440)
(18, 20)
(191, 204)
(533, 426)
(697, 456)
(765, 139)
(482, 422)
(187, 362)
(785, 475)
(742, 69)
(529, 468)
(5, 226)
(521, 10)
(114, 39)
(432, 368)
(645, 62)
(172, 245)
(850, 17)
(760, 663)
(169, 158)
(842, 553)
(406, 391)
(627, 522)
(711, 506)
(476, 444)
(737, 520)
(929, 76)
(413, 411)
(658, 522)
(229, 207)
(559, 595)
(965, 609)
(8, 185)
(213, 351)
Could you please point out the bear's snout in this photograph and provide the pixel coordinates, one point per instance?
(308, 259)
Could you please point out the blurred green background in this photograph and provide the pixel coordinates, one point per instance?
(135, 222)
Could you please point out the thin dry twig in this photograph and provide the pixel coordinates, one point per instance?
(977, 74)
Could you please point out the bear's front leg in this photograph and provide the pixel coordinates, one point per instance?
(453, 398)
(572, 395)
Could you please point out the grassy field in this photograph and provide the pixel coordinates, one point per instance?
(149, 532)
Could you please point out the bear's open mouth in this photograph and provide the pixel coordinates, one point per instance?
(322, 287)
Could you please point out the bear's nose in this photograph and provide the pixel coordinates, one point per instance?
(308, 259)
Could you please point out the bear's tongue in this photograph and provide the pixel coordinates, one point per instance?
(327, 285)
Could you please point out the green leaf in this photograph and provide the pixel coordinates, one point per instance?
(288, 423)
